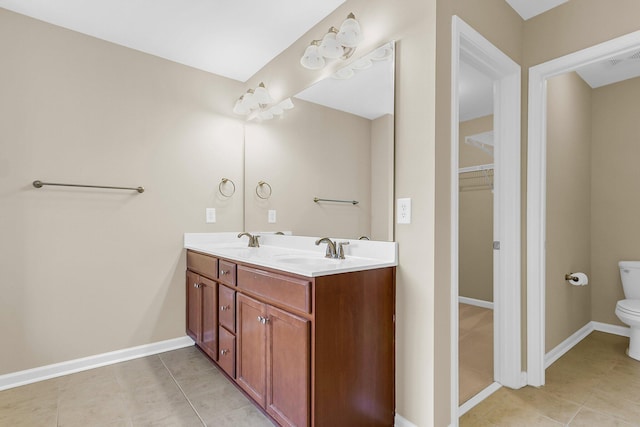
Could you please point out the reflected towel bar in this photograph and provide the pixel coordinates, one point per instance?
(353, 202)
(39, 184)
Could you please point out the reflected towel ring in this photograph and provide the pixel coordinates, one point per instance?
(224, 181)
(260, 184)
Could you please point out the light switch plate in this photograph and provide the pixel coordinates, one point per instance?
(211, 215)
(271, 217)
(404, 211)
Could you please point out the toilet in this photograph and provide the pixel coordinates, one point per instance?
(628, 310)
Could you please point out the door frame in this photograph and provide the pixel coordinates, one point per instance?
(473, 48)
(537, 188)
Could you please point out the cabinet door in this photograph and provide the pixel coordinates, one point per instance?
(209, 336)
(227, 344)
(251, 347)
(194, 306)
(288, 368)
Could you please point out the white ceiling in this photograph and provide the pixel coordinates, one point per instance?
(529, 8)
(233, 39)
(611, 70)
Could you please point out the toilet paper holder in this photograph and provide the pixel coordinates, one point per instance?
(571, 277)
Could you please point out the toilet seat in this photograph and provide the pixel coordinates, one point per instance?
(629, 306)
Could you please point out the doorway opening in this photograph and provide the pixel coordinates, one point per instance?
(469, 48)
(537, 359)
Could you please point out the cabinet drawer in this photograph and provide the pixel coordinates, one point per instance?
(227, 304)
(203, 264)
(284, 290)
(227, 355)
(227, 273)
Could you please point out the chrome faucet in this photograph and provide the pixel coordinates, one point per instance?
(331, 247)
(253, 239)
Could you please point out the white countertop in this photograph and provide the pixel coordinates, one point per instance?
(295, 254)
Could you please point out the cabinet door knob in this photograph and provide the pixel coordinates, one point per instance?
(263, 320)
(195, 285)
(225, 308)
(223, 352)
(260, 319)
(224, 272)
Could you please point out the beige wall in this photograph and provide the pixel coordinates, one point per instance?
(84, 272)
(475, 263)
(615, 205)
(314, 151)
(568, 238)
(382, 183)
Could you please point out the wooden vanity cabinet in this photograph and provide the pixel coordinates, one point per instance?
(312, 352)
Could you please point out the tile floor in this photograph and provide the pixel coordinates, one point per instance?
(178, 388)
(594, 385)
(475, 349)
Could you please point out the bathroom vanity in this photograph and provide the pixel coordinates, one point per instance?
(309, 339)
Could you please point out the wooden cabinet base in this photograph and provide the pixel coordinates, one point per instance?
(310, 352)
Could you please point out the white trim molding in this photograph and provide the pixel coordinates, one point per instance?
(478, 398)
(403, 422)
(476, 302)
(472, 48)
(536, 187)
(41, 373)
(566, 345)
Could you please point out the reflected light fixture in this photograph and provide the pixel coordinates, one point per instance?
(258, 104)
(336, 44)
(383, 53)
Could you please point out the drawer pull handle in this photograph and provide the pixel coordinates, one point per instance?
(224, 272)
(196, 285)
(225, 308)
(223, 352)
(263, 320)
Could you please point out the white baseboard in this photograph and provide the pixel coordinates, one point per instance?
(402, 422)
(558, 351)
(476, 302)
(41, 373)
(623, 331)
(581, 334)
(469, 404)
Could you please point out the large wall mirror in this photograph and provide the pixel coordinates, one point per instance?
(336, 145)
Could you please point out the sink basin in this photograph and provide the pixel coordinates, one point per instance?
(309, 260)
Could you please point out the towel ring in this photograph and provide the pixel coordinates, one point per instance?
(224, 181)
(260, 184)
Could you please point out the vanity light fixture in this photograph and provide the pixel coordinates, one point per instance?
(383, 53)
(258, 104)
(336, 44)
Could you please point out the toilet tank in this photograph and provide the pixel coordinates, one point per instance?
(630, 275)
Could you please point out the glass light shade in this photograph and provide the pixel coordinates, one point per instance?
(265, 115)
(261, 95)
(276, 110)
(312, 58)
(287, 104)
(238, 108)
(343, 73)
(349, 34)
(330, 48)
(362, 64)
(248, 101)
(382, 53)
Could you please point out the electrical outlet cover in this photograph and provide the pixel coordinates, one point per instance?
(404, 211)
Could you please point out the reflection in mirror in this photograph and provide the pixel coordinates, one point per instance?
(336, 144)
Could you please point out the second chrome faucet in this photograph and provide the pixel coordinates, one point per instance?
(253, 239)
(333, 250)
